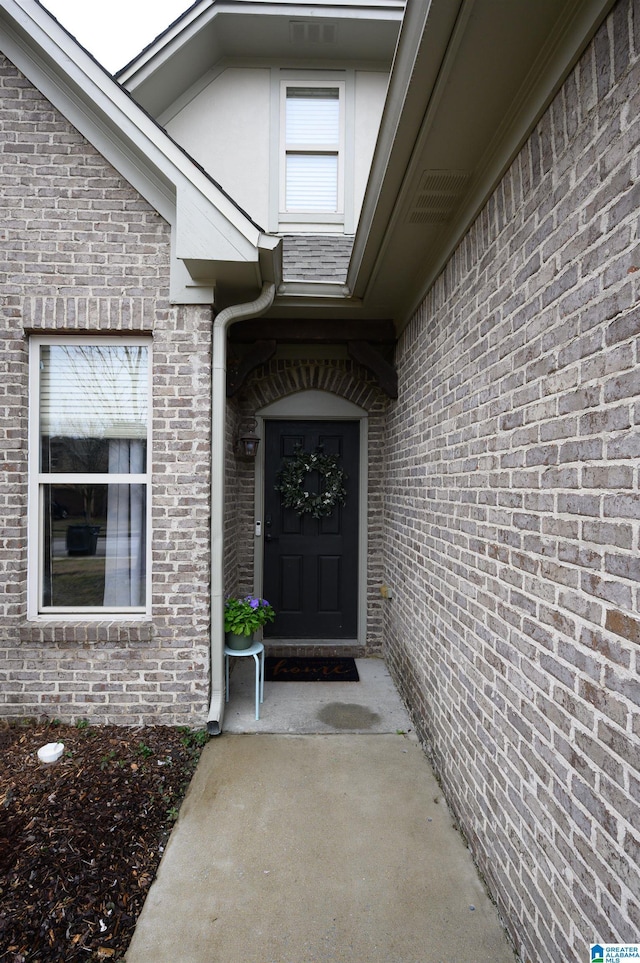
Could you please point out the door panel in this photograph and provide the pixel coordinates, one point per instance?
(311, 565)
(290, 577)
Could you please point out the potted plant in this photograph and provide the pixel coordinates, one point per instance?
(243, 616)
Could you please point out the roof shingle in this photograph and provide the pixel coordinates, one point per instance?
(316, 257)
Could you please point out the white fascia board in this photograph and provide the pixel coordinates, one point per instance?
(545, 78)
(309, 293)
(164, 46)
(425, 33)
(127, 137)
(398, 152)
(182, 30)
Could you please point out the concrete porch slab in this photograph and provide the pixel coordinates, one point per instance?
(371, 705)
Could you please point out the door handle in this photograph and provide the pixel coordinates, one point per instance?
(271, 538)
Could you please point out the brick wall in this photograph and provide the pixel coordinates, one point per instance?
(81, 251)
(512, 515)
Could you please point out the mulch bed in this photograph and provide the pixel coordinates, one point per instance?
(81, 839)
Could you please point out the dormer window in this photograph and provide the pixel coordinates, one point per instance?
(312, 152)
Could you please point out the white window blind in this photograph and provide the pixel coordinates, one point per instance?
(312, 182)
(313, 116)
(312, 149)
(94, 391)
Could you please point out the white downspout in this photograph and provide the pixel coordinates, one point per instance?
(227, 317)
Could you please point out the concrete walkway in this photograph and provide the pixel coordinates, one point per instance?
(333, 847)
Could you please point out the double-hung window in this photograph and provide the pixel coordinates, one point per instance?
(312, 143)
(89, 476)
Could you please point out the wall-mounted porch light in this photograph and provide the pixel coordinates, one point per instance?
(246, 441)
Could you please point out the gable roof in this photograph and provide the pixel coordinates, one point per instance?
(212, 31)
(215, 245)
(469, 81)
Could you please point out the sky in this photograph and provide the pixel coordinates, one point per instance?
(114, 31)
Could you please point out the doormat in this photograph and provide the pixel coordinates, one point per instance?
(312, 669)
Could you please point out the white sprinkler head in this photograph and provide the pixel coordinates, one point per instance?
(51, 752)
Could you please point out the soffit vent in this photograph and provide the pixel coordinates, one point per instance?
(437, 196)
(312, 32)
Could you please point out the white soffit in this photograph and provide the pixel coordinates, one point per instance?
(469, 83)
(216, 31)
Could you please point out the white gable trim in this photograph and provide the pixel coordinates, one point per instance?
(207, 225)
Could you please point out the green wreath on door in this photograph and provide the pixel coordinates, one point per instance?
(290, 483)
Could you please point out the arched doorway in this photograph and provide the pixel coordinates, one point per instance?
(313, 570)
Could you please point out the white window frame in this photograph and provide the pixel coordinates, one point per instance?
(310, 217)
(36, 611)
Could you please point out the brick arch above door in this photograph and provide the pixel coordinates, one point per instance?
(343, 378)
(278, 380)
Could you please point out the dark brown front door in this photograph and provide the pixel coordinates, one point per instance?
(311, 564)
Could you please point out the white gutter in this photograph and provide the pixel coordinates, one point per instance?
(227, 317)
